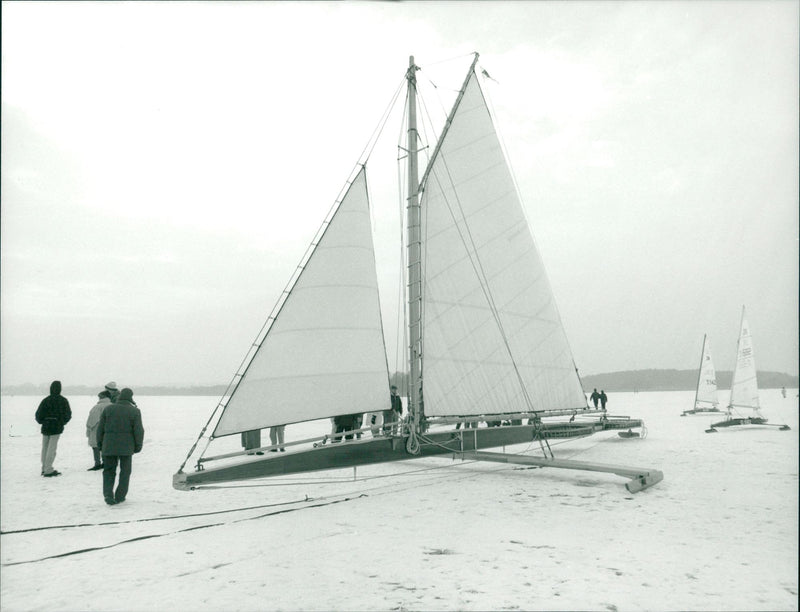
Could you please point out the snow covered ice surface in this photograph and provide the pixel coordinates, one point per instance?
(720, 532)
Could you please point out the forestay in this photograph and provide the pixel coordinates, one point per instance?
(744, 386)
(324, 354)
(493, 338)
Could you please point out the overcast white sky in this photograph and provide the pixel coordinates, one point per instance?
(164, 166)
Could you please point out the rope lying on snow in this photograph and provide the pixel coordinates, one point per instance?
(161, 535)
(147, 537)
(230, 510)
(244, 509)
(157, 518)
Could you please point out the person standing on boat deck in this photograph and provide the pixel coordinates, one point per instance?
(52, 414)
(92, 421)
(358, 420)
(595, 396)
(343, 423)
(375, 420)
(276, 436)
(250, 440)
(120, 434)
(603, 399)
(393, 414)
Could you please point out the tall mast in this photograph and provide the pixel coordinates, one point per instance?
(414, 253)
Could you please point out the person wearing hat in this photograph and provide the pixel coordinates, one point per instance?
(52, 414)
(120, 435)
(113, 391)
(92, 421)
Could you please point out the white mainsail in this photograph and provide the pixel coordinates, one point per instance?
(493, 340)
(707, 379)
(324, 354)
(744, 386)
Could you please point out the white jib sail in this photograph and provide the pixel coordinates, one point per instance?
(324, 354)
(707, 379)
(493, 340)
(744, 386)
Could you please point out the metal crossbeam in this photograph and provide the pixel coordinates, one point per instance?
(641, 478)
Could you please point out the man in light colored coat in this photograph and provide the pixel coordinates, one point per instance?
(92, 421)
(120, 435)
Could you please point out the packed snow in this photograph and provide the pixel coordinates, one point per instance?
(720, 532)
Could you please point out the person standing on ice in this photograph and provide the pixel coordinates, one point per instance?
(595, 396)
(603, 399)
(93, 420)
(120, 435)
(52, 414)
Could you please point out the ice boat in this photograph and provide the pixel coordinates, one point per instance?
(483, 332)
(744, 406)
(705, 397)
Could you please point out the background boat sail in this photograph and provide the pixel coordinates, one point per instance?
(705, 397)
(744, 385)
(485, 335)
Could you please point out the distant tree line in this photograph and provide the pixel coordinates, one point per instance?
(676, 380)
(629, 380)
(656, 380)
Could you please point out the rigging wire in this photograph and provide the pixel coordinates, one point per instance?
(472, 253)
(492, 113)
(402, 354)
(264, 331)
(482, 279)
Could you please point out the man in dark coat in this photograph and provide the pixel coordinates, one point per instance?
(52, 414)
(392, 416)
(120, 435)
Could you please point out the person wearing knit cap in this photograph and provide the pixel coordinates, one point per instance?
(120, 435)
(52, 414)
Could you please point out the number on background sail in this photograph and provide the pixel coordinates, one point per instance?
(324, 354)
(707, 381)
(493, 339)
(744, 387)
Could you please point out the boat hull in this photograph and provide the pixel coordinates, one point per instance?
(385, 449)
(701, 411)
